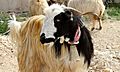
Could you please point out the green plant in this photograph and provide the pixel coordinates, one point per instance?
(4, 17)
(114, 11)
(3, 22)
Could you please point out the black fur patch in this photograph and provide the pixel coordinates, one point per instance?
(45, 40)
(65, 26)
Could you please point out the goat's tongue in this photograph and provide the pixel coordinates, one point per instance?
(77, 35)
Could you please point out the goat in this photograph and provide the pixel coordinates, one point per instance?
(38, 51)
(64, 32)
(96, 7)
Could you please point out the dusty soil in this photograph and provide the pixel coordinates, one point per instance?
(106, 44)
(8, 55)
(107, 48)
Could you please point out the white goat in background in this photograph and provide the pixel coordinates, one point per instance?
(95, 7)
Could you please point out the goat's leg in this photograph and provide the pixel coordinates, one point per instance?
(93, 25)
(100, 24)
(94, 22)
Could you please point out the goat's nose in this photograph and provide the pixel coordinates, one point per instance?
(42, 38)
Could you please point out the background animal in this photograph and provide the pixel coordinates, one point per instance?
(37, 7)
(96, 7)
(70, 39)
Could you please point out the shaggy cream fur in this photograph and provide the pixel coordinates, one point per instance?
(26, 37)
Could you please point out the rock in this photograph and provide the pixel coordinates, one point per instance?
(107, 70)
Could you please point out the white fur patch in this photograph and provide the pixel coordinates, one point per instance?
(48, 27)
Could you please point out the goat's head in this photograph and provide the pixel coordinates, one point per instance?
(59, 22)
(63, 25)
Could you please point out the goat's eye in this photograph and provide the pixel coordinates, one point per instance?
(57, 20)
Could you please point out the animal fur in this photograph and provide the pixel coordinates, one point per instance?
(96, 7)
(26, 37)
(37, 7)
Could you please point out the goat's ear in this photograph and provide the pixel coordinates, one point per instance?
(74, 11)
(68, 14)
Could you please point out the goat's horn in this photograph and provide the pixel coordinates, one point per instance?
(74, 11)
(77, 12)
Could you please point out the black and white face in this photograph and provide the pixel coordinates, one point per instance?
(56, 23)
(63, 23)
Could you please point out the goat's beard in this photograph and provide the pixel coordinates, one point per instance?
(49, 45)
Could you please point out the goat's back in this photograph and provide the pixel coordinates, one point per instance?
(95, 6)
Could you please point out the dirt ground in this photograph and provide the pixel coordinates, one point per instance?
(106, 44)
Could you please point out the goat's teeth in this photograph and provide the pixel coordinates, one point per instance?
(62, 39)
(67, 39)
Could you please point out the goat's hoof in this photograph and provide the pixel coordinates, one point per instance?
(92, 29)
(99, 28)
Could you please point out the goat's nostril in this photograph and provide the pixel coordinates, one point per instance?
(42, 35)
(42, 38)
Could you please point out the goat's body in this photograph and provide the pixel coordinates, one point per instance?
(37, 7)
(95, 6)
(35, 57)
